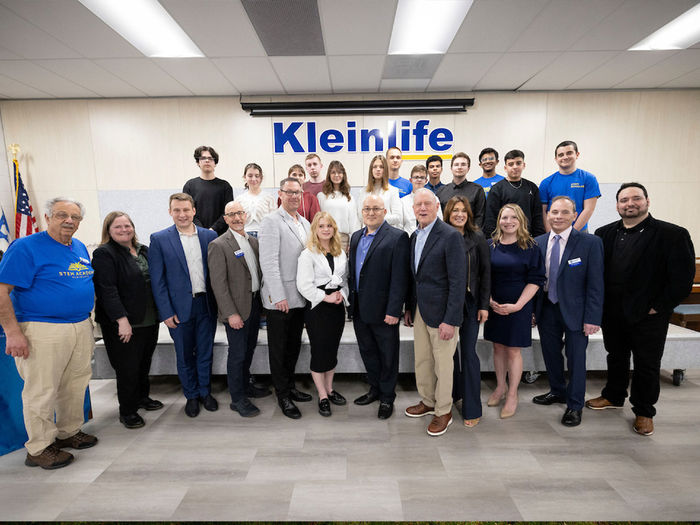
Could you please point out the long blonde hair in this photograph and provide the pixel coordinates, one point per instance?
(385, 176)
(523, 236)
(314, 245)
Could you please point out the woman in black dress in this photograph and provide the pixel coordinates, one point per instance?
(517, 272)
(127, 314)
(322, 280)
(458, 213)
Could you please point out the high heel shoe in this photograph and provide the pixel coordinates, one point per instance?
(505, 413)
(495, 400)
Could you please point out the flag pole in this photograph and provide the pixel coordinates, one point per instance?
(14, 149)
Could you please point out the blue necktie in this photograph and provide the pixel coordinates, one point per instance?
(554, 270)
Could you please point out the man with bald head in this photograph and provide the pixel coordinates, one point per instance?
(235, 279)
(377, 279)
(435, 304)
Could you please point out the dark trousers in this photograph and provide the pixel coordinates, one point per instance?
(467, 369)
(554, 336)
(241, 345)
(131, 362)
(644, 341)
(284, 343)
(193, 347)
(379, 349)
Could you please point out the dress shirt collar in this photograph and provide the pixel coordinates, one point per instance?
(427, 229)
(564, 235)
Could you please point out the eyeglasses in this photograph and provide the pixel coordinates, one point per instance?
(206, 159)
(372, 210)
(488, 159)
(418, 178)
(62, 216)
(292, 193)
(233, 214)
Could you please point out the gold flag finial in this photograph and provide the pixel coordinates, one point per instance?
(14, 149)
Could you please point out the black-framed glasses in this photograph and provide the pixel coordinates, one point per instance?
(233, 214)
(206, 159)
(292, 193)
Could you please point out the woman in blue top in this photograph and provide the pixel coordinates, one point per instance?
(517, 272)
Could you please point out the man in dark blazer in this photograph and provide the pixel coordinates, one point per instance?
(570, 307)
(236, 279)
(177, 260)
(649, 270)
(435, 305)
(378, 279)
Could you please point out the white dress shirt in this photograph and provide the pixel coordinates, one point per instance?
(564, 237)
(193, 256)
(250, 259)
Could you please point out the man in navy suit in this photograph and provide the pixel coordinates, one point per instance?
(435, 304)
(570, 307)
(378, 280)
(177, 260)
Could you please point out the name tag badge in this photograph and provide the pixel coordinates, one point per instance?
(238, 254)
(574, 262)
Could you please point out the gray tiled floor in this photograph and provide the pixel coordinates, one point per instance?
(354, 467)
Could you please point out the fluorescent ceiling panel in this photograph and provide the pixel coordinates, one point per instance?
(679, 33)
(147, 25)
(411, 36)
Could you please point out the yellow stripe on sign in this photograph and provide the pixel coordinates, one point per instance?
(425, 157)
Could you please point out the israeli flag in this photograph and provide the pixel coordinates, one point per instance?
(4, 232)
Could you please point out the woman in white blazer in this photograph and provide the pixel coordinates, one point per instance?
(378, 184)
(335, 198)
(322, 279)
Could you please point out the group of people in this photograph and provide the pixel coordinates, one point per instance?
(517, 257)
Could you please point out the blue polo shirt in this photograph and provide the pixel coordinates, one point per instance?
(578, 186)
(487, 183)
(52, 282)
(403, 185)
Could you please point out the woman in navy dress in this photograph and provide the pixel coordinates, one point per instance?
(517, 272)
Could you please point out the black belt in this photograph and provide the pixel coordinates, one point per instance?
(199, 294)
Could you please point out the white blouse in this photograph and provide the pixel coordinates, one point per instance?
(392, 202)
(343, 211)
(256, 207)
(313, 271)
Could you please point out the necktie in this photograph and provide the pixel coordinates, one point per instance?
(554, 270)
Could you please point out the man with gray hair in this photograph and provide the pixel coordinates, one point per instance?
(46, 296)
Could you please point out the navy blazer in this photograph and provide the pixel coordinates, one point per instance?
(384, 275)
(440, 283)
(170, 277)
(580, 283)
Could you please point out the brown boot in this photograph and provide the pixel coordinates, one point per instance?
(600, 403)
(419, 410)
(643, 425)
(78, 441)
(438, 426)
(51, 458)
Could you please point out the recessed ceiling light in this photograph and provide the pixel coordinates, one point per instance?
(146, 25)
(426, 27)
(679, 33)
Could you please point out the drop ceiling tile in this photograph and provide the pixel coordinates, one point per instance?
(11, 88)
(461, 71)
(343, 22)
(566, 69)
(417, 85)
(250, 76)
(492, 26)
(199, 75)
(672, 67)
(91, 76)
(689, 80)
(619, 68)
(355, 73)
(144, 75)
(219, 28)
(411, 66)
(514, 69)
(37, 77)
(302, 74)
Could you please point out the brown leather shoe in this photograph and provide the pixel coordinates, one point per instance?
(600, 403)
(419, 410)
(78, 441)
(438, 426)
(51, 458)
(643, 425)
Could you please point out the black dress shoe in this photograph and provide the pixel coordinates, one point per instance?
(192, 407)
(288, 407)
(548, 399)
(385, 410)
(132, 421)
(298, 395)
(324, 407)
(257, 392)
(366, 399)
(245, 408)
(571, 418)
(335, 398)
(150, 404)
(210, 404)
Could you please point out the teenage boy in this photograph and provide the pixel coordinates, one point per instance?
(488, 160)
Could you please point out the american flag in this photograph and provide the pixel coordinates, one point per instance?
(25, 222)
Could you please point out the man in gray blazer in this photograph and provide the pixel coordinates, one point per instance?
(235, 279)
(282, 237)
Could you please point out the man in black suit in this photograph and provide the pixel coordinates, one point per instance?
(649, 269)
(378, 279)
(436, 303)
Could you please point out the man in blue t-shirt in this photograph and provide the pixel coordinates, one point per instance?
(394, 158)
(46, 296)
(488, 160)
(575, 183)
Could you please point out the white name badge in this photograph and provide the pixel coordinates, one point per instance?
(574, 262)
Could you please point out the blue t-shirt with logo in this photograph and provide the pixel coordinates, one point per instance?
(52, 282)
(578, 186)
(403, 185)
(486, 183)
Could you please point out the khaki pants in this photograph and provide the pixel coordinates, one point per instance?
(55, 375)
(434, 365)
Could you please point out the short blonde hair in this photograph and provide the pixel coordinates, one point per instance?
(314, 245)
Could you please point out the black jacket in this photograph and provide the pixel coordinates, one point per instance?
(478, 268)
(661, 277)
(120, 289)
